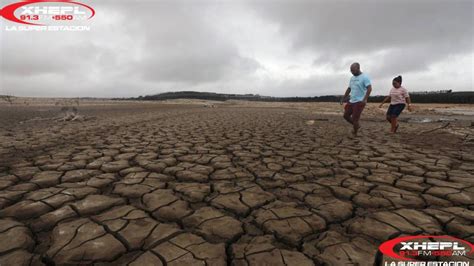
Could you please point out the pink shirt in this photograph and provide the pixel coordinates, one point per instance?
(398, 96)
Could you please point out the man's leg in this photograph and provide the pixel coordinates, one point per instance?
(348, 112)
(357, 111)
(356, 126)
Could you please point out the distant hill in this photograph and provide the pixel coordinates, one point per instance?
(423, 97)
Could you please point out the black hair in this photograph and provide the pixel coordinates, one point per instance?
(398, 79)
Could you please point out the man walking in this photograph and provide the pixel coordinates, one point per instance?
(359, 90)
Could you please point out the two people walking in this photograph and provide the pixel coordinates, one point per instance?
(357, 95)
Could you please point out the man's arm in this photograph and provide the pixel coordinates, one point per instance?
(367, 94)
(344, 98)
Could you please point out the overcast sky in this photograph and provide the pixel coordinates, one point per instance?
(276, 48)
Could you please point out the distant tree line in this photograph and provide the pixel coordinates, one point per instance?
(436, 97)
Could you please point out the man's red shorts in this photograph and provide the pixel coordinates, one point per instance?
(354, 110)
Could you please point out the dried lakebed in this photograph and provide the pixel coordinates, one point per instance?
(183, 184)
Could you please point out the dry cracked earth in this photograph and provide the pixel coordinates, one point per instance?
(187, 185)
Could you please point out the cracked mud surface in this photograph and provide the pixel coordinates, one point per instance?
(186, 185)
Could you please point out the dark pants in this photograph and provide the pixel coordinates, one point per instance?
(352, 111)
(394, 110)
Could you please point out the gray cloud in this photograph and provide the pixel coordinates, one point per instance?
(180, 45)
(281, 48)
(402, 36)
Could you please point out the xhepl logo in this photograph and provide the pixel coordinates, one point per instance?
(411, 247)
(46, 13)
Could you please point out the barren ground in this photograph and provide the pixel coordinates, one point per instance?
(244, 183)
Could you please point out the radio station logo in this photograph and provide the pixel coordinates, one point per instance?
(421, 250)
(47, 15)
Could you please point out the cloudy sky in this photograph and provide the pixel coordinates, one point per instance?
(267, 47)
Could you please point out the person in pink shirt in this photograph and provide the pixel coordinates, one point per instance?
(398, 98)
